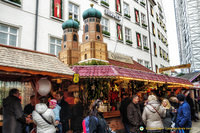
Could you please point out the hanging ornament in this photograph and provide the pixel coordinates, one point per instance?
(44, 86)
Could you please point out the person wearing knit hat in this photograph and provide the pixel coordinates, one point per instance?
(56, 109)
(183, 120)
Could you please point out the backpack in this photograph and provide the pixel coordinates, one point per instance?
(86, 123)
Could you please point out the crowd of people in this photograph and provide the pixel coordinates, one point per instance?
(48, 116)
(151, 114)
(155, 114)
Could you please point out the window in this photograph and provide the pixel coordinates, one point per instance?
(158, 34)
(55, 45)
(140, 61)
(137, 17)
(105, 24)
(143, 18)
(146, 64)
(145, 41)
(151, 10)
(17, 2)
(155, 49)
(97, 28)
(119, 32)
(8, 35)
(86, 28)
(118, 6)
(128, 34)
(65, 37)
(126, 10)
(73, 11)
(74, 37)
(138, 40)
(156, 67)
(153, 29)
(160, 51)
(57, 8)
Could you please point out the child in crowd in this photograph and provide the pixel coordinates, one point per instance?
(56, 109)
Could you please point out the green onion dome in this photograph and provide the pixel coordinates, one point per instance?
(91, 12)
(70, 24)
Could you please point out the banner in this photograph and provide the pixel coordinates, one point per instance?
(118, 6)
(119, 32)
(57, 8)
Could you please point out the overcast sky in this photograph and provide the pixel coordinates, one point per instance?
(171, 32)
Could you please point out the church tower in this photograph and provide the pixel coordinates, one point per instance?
(92, 46)
(69, 49)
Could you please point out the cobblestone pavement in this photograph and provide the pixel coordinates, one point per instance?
(195, 127)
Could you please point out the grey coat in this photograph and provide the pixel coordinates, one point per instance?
(12, 115)
(151, 118)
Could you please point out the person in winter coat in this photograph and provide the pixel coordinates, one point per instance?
(190, 101)
(56, 109)
(77, 115)
(28, 109)
(170, 116)
(183, 119)
(97, 125)
(152, 115)
(65, 112)
(13, 117)
(44, 117)
(123, 110)
(134, 115)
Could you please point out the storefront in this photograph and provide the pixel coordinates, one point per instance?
(21, 68)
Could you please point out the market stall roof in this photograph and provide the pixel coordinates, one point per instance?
(17, 61)
(135, 65)
(190, 76)
(107, 71)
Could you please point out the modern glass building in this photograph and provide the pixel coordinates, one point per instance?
(188, 32)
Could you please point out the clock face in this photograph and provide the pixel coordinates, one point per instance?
(86, 37)
(98, 37)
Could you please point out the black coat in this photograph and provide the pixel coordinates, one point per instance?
(167, 121)
(123, 109)
(97, 126)
(65, 114)
(28, 109)
(13, 117)
(77, 117)
(134, 116)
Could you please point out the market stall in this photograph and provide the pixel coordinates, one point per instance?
(21, 68)
(108, 83)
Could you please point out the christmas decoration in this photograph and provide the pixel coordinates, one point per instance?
(44, 86)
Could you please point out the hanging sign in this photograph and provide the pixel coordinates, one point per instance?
(76, 78)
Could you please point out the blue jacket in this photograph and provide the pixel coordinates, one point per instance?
(56, 111)
(183, 119)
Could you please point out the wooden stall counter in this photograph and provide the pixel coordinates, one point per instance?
(114, 121)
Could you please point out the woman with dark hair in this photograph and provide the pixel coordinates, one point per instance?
(97, 123)
(44, 117)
